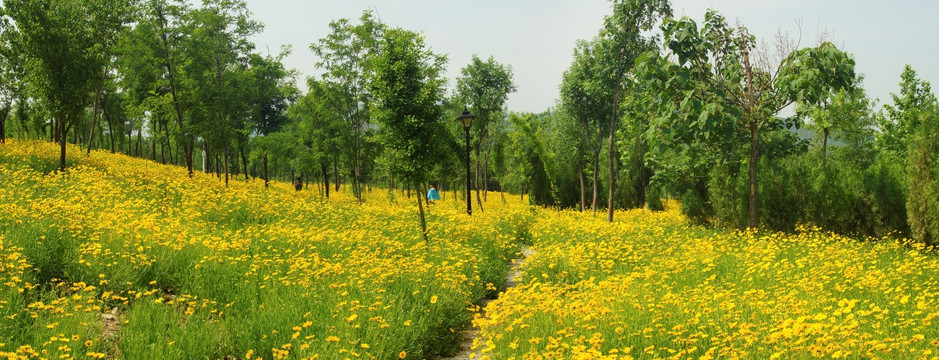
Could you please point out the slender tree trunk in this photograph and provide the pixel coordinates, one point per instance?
(325, 169)
(754, 158)
(139, 140)
(612, 155)
(3, 122)
(62, 140)
(486, 176)
(266, 178)
(596, 179)
(420, 208)
(226, 164)
(583, 199)
(244, 160)
(336, 172)
(479, 201)
(107, 116)
(94, 119)
(825, 142)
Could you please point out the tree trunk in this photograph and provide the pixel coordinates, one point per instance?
(266, 178)
(825, 142)
(94, 120)
(3, 121)
(486, 176)
(479, 201)
(62, 139)
(226, 164)
(107, 116)
(244, 160)
(583, 199)
(612, 158)
(420, 208)
(325, 169)
(754, 158)
(139, 140)
(336, 172)
(596, 179)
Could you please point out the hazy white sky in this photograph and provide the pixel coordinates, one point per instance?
(536, 37)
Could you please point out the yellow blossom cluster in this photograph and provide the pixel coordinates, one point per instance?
(652, 286)
(120, 257)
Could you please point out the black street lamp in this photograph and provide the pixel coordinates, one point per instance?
(465, 120)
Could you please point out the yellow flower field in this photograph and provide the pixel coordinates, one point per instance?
(651, 286)
(124, 258)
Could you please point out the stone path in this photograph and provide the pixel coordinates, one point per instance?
(471, 334)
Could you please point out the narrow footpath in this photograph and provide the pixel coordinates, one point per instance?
(466, 347)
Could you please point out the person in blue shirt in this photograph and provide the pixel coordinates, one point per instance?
(432, 194)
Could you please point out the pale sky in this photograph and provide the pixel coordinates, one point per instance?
(536, 37)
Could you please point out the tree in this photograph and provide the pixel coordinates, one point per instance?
(11, 71)
(270, 93)
(318, 126)
(916, 122)
(344, 55)
(485, 86)
(827, 58)
(408, 87)
(717, 88)
(62, 43)
(847, 115)
(904, 116)
(151, 60)
(622, 40)
(587, 103)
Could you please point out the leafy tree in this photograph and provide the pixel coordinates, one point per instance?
(62, 44)
(485, 86)
(917, 115)
(11, 71)
(587, 103)
(345, 56)
(407, 88)
(318, 126)
(905, 115)
(269, 94)
(716, 90)
(623, 39)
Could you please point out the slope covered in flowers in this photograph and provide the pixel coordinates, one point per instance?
(651, 286)
(124, 258)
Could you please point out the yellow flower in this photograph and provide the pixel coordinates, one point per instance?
(433, 299)
(332, 338)
(402, 355)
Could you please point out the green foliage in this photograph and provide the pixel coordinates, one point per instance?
(923, 202)
(904, 116)
(407, 87)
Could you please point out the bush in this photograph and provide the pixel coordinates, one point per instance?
(885, 192)
(694, 207)
(654, 199)
(728, 196)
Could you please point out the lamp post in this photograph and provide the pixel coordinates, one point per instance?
(465, 119)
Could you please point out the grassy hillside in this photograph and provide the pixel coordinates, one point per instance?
(124, 258)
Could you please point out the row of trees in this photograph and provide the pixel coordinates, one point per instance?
(691, 113)
(694, 116)
(170, 81)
